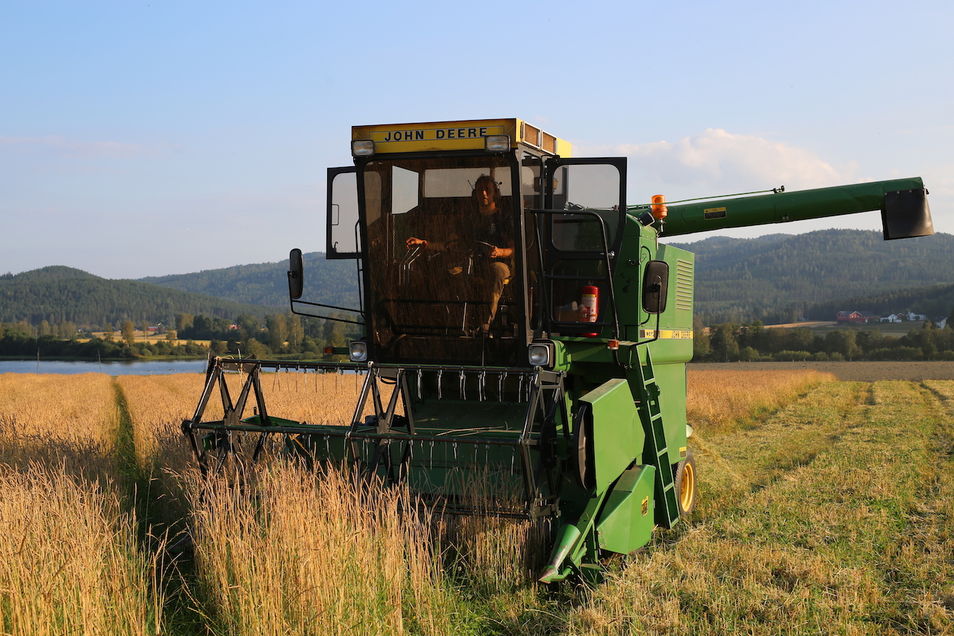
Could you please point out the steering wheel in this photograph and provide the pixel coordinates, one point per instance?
(483, 249)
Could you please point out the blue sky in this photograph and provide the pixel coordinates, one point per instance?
(149, 138)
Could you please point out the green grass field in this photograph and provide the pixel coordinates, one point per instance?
(833, 516)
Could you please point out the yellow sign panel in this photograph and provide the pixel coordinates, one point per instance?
(455, 135)
(667, 334)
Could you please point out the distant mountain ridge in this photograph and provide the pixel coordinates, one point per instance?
(784, 277)
(773, 278)
(59, 294)
(326, 281)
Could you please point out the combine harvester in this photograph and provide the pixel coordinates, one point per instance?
(525, 332)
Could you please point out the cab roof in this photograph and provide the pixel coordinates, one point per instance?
(465, 134)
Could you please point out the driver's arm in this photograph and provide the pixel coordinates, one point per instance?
(413, 241)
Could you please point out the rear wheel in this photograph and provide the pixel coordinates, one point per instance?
(686, 489)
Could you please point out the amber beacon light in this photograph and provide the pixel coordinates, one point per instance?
(659, 207)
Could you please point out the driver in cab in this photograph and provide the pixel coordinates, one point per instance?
(489, 233)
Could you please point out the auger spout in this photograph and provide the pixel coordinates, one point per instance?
(905, 212)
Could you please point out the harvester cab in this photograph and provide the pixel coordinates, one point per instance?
(525, 333)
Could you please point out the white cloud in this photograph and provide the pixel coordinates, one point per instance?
(720, 162)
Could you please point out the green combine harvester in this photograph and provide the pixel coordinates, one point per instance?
(525, 332)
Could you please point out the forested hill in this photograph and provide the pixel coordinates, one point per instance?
(773, 278)
(326, 281)
(62, 294)
(781, 277)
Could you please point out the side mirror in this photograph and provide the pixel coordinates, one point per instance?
(296, 277)
(655, 286)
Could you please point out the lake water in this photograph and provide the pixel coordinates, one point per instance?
(132, 367)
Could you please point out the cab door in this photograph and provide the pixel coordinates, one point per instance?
(585, 201)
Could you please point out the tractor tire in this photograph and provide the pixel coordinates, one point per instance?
(687, 492)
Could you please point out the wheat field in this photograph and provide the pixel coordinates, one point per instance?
(71, 559)
(99, 486)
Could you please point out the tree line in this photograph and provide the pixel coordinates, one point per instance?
(246, 335)
(16, 342)
(277, 334)
(730, 342)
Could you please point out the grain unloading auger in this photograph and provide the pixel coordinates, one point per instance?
(525, 333)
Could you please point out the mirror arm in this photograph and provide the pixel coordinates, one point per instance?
(334, 318)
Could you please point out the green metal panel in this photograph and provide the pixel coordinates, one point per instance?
(679, 304)
(627, 520)
(782, 207)
(617, 433)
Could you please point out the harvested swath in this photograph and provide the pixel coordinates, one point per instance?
(804, 535)
(856, 370)
(718, 399)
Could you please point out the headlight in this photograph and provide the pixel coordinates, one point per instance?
(540, 354)
(497, 143)
(362, 147)
(358, 351)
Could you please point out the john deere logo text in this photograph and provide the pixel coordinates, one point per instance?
(430, 134)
